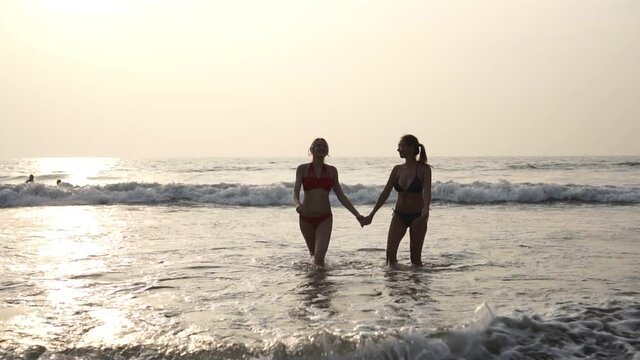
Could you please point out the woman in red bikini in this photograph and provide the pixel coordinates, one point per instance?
(316, 220)
(412, 181)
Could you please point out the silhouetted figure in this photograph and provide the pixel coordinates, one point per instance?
(412, 181)
(30, 179)
(316, 221)
(58, 182)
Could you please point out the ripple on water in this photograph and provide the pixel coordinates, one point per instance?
(371, 250)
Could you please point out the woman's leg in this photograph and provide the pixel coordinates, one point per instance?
(397, 229)
(309, 233)
(322, 237)
(417, 232)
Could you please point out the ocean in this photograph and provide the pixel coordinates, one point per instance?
(525, 258)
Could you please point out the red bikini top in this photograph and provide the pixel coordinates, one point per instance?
(311, 181)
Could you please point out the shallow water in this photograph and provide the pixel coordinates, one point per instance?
(203, 275)
(189, 278)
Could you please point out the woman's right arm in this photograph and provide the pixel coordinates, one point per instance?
(296, 188)
(385, 193)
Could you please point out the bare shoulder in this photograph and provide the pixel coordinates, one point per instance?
(301, 168)
(425, 169)
(333, 171)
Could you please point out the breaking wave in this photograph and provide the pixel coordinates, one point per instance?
(279, 194)
(610, 332)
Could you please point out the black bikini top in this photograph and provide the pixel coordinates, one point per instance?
(414, 187)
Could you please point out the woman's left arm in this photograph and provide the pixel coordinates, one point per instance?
(426, 192)
(341, 196)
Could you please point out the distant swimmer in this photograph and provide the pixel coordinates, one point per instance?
(62, 184)
(30, 179)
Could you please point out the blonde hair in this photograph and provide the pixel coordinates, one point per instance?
(314, 144)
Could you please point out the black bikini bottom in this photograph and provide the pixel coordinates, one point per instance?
(406, 217)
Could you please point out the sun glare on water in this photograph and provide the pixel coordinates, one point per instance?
(77, 171)
(70, 255)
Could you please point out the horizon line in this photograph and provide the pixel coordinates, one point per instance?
(299, 157)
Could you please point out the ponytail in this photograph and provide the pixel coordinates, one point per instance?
(418, 148)
(423, 154)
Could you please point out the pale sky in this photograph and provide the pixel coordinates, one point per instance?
(159, 78)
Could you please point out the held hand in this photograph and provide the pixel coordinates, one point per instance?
(367, 219)
(360, 219)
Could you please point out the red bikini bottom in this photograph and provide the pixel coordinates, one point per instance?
(315, 220)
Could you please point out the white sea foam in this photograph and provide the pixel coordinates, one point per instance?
(595, 333)
(279, 194)
(480, 192)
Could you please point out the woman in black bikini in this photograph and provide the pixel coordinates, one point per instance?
(316, 220)
(412, 181)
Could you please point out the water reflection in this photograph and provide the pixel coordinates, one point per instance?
(68, 250)
(408, 286)
(316, 290)
(73, 170)
(70, 242)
